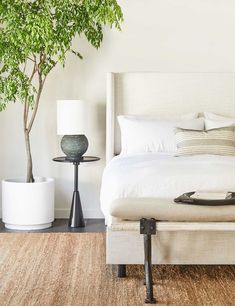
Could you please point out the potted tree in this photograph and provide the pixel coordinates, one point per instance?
(35, 36)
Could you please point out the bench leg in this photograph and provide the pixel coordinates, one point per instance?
(148, 270)
(121, 270)
(147, 228)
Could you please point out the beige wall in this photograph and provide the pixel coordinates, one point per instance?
(158, 35)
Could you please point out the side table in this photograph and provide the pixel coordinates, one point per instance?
(76, 215)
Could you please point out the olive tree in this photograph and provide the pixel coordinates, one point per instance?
(35, 36)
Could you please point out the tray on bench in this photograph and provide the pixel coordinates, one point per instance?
(185, 198)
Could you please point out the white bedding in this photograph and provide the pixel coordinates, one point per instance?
(164, 175)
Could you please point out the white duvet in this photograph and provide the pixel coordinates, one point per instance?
(164, 175)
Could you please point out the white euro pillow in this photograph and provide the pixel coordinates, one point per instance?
(214, 121)
(143, 135)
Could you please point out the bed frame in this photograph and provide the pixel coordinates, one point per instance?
(162, 95)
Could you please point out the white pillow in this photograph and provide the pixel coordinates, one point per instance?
(214, 124)
(142, 135)
(213, 116)
(213, 121)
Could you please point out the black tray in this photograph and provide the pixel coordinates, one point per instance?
(185, 198)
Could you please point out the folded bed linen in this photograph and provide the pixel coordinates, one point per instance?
(165, 176)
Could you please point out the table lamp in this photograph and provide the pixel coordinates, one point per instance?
(72, 122)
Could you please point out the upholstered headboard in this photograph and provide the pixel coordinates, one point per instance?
(164, 94)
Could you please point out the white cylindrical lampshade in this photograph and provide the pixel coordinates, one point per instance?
(71, 117)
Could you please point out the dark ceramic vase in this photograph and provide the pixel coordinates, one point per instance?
(74, 146)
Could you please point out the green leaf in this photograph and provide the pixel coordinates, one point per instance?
(77, 54)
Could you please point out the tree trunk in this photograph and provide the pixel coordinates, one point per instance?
(30, 178)
(28, 126)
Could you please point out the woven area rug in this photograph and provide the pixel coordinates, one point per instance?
(69, 269)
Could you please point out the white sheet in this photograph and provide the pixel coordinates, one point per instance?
(164, 175)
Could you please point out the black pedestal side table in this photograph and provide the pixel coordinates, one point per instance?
(76, 215)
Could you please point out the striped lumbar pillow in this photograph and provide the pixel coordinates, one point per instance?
(220, 141)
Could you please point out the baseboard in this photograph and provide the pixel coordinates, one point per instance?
(61, 213)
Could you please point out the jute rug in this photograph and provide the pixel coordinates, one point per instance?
(69, 269)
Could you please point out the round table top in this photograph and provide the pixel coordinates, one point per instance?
(83, 159)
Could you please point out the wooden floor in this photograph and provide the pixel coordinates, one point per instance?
(69, 269)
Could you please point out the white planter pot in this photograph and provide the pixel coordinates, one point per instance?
(28, 206)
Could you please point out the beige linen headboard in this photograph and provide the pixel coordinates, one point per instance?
(164, 94)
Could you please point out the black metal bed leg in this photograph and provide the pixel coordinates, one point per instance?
(121, 270)
(148, 228)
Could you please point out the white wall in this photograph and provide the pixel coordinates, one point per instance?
(158, 35)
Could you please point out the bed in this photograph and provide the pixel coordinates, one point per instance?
(163, 176)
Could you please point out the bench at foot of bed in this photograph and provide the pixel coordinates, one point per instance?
(205, 231)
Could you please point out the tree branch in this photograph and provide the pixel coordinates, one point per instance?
(25, 65)
(32, 60)
(40, 87)
(42, 59)
(26, 104)
(25, 114)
